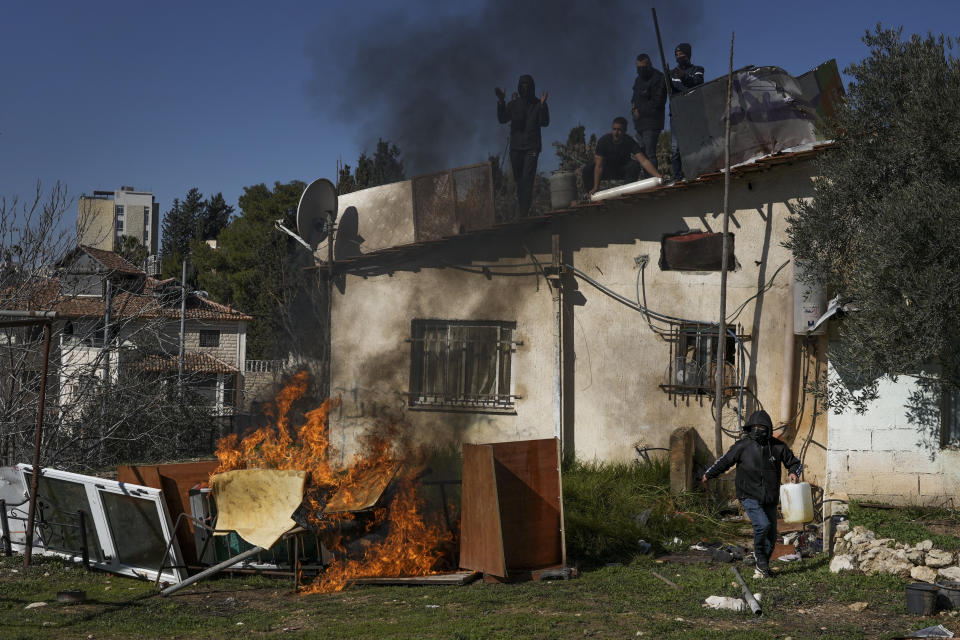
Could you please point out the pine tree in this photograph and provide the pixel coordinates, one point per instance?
(214, 217)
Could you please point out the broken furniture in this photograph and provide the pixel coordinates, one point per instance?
(512, 508)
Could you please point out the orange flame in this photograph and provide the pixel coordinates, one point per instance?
(411, 545)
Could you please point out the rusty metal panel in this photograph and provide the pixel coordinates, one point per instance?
(481, 538)
(363, 492)
(512, 513)
(528, 484)
(452, 202)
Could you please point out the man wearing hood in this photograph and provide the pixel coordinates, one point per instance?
(683, 77)
(647, 103)
(758, 457)
(526, 114)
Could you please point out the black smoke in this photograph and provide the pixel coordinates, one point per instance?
(424, 77)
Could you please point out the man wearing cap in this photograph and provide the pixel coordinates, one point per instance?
(683, 77)
(646, 104)
(758, 457)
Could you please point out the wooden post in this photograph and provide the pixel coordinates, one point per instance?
(722, 331)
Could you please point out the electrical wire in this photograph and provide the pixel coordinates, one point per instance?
(662, 317)
(763, 290)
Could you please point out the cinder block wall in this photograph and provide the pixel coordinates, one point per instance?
(888, 454)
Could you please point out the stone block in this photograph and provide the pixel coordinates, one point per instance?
(681, 460)
(923, 574)
(951, 574)
(895, 440)
(937, 558)
(842, 562)
(847, 438)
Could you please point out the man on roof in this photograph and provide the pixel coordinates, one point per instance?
(526, 115)
(647, 106)
(617, 157)
(683, 77)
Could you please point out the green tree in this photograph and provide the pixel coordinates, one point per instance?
(214, 217)
(883, 228)
(132, 250)
(266, 273)
(384, 167)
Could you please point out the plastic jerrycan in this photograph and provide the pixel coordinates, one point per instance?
(796, 502)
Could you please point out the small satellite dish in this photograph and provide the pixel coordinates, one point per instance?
(12, 489)
(317, 209)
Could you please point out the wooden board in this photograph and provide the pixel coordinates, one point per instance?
(528, 484)
(481, 536)
(455, 579)
(175, 480)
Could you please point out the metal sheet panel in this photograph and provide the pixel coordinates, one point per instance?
(769, 113)
(452, 202)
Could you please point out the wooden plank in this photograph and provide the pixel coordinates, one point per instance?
(528, 484)
(481, 535)
(444, 579)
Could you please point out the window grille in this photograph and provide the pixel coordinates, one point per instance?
(462, 364)
(209, 338)
(692, 369)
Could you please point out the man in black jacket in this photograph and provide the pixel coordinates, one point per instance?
(526, 114)
(758, 457)
(683, 77)
(647, 103)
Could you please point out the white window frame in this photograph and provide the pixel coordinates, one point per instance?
(175, 570)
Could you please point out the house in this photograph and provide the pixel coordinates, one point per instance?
(595, 324)
(114, 321)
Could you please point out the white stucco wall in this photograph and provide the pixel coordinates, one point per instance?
(616, 362)
(890, 454)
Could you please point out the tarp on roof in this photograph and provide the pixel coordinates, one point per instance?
(770, 111)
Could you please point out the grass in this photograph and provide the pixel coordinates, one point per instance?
(608, 602)
(610, 507)
(906, 524)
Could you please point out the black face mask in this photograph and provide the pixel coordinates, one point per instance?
(645, 72)
(759, 433)
(683, 63)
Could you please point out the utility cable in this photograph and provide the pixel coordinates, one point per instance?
(764, 289)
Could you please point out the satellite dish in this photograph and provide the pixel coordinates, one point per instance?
(316, 211)
(12, 489)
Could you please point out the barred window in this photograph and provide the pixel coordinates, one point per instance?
(461, 364)
(693, 360)
(209, 338)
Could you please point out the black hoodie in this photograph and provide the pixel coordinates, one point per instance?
(649, 97)
(758, 463)
(526, 115)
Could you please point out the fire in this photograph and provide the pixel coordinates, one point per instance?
(411, 545)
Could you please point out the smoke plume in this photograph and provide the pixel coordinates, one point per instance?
(424, 77)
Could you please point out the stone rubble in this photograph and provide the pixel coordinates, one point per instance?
(860, 549)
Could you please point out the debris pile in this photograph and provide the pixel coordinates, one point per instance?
(860, 549)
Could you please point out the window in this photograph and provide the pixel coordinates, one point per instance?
(693, 364)
(146, 224)
(209, 338)
(118, 210)
(695, 251)
(461, 364)
(951, 416)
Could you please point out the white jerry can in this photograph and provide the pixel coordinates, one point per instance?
(796, 502)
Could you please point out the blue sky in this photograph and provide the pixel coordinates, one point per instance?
(217, 95)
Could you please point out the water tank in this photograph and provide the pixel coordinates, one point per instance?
(563, 189)
(809, 303)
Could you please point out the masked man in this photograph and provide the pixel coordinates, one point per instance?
(683, 77)
(526, 115)
(758, 457)
(647, 103)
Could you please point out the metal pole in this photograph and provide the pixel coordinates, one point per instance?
(663, 58)
(37, 442)
(85, 552)
(747, 594)
(722, 332)
(5, 528)
(211, 571)
(557, 345)
(183, 318)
